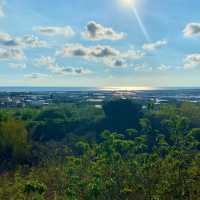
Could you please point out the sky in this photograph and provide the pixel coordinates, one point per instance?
(103, 43)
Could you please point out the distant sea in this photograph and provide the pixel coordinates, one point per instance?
(82, 89)
(46, 89)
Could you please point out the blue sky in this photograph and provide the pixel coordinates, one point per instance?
(99, 43)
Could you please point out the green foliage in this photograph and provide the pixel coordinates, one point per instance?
(13, 141)
(148, 154)
(34, 187)
(195, 133)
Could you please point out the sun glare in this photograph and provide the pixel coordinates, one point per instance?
(128, 3)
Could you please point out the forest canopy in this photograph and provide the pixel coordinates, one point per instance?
(124, 150)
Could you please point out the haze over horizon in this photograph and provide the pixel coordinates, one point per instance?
(120, 43)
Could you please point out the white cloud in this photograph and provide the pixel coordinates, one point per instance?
(192, 61)
(142, 68)
(66, 31)
(11, 53)
(154, 46)
(36, 76)
(123, 59)
(163, 67)
(75, 50)
(17, 65)
(71, 71)
(132, 55)
(45, 61)
(27, 41)
(116, 63)
(192, 30)
(98, 51)
(101, 53)
(5, 37)
(55, 68)
(82, 71)
(7, 40)
(12, 47)
(49, 62)
(32, 41)
(95, 31)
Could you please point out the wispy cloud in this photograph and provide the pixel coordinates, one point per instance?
(132, 55)
(32, 41)
(45, 61)
(155, 45)
(142, 67)
(164, 67)
(66, 31)
(71, 71)
(17, 65)
(36, 76)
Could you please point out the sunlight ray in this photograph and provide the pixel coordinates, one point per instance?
(132, 4)
(142, 27)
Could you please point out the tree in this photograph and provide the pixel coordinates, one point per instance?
(13, 141)
(50, 130)
(122, 114)
(195, 132)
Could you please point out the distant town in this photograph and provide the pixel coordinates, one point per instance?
(14, 99)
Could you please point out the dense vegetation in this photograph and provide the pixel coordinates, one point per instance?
(126, 150)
